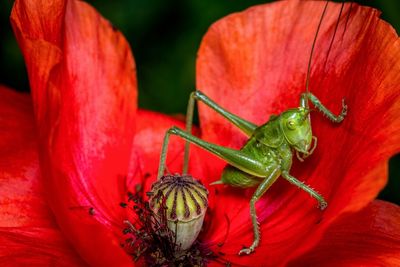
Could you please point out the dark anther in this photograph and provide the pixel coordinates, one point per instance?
(138, 188)
(91, 211)
(123, 204)
(131, 196)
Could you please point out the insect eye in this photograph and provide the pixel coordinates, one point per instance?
(290, 125)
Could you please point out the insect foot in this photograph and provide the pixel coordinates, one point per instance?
(322, 205)
(343, 113)
(246, 251)
(344, 108)
(185, 201)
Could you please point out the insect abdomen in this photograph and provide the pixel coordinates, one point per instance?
(268, 156)
(235, 177)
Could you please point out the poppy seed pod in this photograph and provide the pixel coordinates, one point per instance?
(185, 200)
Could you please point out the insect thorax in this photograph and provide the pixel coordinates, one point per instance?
(271, 157)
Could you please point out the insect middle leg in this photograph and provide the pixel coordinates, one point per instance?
(322, 204)
(246, 126)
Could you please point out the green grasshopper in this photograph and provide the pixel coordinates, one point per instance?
(268, 152)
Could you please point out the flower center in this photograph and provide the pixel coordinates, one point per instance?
(166, 227)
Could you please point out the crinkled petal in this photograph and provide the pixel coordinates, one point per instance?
(370, 237)
(83, 82)
(29, 235)
(254, 64)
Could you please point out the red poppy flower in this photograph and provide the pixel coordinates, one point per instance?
(94, 145)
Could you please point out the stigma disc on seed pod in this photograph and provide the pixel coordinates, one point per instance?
(186, 202)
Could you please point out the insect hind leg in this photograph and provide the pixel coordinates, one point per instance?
(247, 127)
(237, 158)
(322, 204)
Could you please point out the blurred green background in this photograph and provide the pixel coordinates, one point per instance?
(165, 36)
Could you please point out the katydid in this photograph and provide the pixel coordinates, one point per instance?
(268, 152)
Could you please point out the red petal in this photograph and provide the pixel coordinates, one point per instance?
(370, 237)
(82, 76)
(21, 202)
(36, 247)
(254, 64)
(28, 233)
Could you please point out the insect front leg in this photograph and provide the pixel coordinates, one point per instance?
(246, 126)
(322, 204)
(262, 188)
(317, 103)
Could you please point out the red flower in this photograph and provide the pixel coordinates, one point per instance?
(94, 145)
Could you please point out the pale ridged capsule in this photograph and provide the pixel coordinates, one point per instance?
(186, 202)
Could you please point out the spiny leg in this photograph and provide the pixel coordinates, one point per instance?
(322, 204)
(246, 126)
(236, 158)
(317, 103)
(261, 189)
(163, 155)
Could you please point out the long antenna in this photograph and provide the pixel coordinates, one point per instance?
(312, 48)
(334, 34)
(347, 19)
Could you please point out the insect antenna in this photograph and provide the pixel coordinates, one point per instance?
(347, 19)
(312, 51)
(331, 43)
(334, 34)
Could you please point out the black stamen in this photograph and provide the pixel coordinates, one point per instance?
(91, 211)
